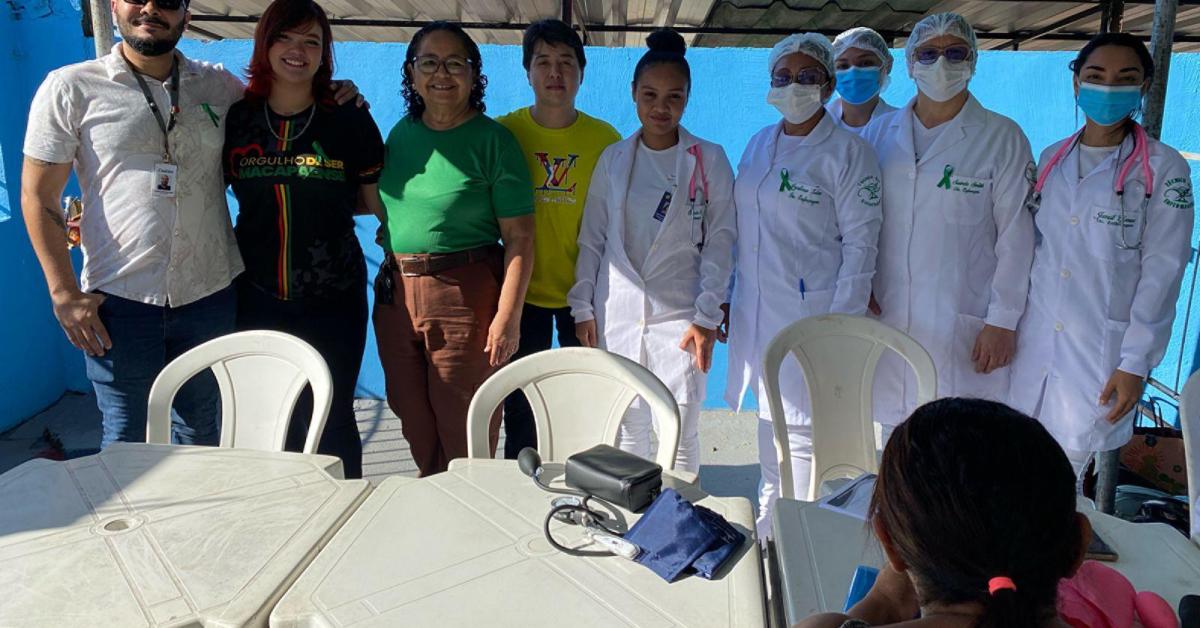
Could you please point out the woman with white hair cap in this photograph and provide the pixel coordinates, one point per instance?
(956, 245)
(807, 198)
(863, 64)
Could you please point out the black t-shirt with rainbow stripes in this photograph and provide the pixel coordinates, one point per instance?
(297, 183)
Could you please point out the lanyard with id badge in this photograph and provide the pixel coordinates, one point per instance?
(697, 207)
(165, 179)
(697, 211)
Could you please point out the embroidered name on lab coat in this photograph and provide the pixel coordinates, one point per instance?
(962, 185)
(1112, 218)
(807, 194)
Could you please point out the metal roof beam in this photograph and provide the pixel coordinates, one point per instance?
(1051, 28)
(683, 30)
(204, 33)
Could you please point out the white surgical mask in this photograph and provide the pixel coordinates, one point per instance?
(942, 80)
(796, 102)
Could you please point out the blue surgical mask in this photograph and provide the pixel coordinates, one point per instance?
(1107, 105)
(858, 85)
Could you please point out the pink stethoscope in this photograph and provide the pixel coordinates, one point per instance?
(1141, 152)
(697, 217)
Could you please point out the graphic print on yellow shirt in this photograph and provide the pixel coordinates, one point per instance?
(560, 164)
(556, 188)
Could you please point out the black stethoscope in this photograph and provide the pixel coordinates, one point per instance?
(1141, 152)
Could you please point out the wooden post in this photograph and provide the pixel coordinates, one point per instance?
(1113, 18)
(1161, 41)
(566, 11)
(102, 26)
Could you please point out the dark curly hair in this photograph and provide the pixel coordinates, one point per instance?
(414, 104)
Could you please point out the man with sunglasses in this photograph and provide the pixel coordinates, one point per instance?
(158, 259)
(956, 244)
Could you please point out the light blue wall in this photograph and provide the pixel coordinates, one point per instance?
(36, 362)
(727, 107)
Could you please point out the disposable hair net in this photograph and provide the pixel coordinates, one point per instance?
(814, 45)
(865, 38)
(937, 25)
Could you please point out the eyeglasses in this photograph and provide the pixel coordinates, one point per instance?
(811, 76)
(954, 54)
(165, 5)
(455, 66)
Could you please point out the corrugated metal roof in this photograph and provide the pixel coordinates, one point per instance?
(1030, 24)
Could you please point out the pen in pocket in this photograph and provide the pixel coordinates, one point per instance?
(802, 288)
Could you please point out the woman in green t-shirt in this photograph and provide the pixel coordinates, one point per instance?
(459, 241)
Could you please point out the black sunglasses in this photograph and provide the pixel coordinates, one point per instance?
(165, 5)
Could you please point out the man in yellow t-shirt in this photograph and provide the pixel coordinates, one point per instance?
(561, 147)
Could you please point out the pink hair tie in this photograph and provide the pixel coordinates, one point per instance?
(1000, 582)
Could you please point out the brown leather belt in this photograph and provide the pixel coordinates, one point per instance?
(419, 264)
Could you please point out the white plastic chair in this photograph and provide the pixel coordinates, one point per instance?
(578, 397)
(260, 374)
(838, 355)
(1189, 420)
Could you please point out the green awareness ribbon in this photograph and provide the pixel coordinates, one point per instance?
(212, 115)
(785, 184)
(946, 174)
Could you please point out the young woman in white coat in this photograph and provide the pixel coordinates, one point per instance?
(863, 64)
(808, 208)
(656, 248)
(1113, 209)
(956, 243)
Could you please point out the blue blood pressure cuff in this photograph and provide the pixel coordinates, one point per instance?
(677, 537)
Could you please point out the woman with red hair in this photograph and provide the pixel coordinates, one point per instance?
(302, 166)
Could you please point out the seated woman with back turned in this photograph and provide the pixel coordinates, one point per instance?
(975, 509)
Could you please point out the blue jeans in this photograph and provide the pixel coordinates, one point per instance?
(145, 338)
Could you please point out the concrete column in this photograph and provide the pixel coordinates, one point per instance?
(102, 26)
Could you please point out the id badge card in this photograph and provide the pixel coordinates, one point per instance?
(696, 211)
(661, 213)
(164, 181)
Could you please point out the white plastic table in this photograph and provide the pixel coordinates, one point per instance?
(817, 551)
(158, 535)
(465, 548)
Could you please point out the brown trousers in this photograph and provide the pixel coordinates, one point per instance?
(431, 343)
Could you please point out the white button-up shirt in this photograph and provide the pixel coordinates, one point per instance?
(156, 250)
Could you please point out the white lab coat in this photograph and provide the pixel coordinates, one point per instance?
(824, 230)
(1094, 307)
(950, 260)
(643, 316)
(835, 109)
